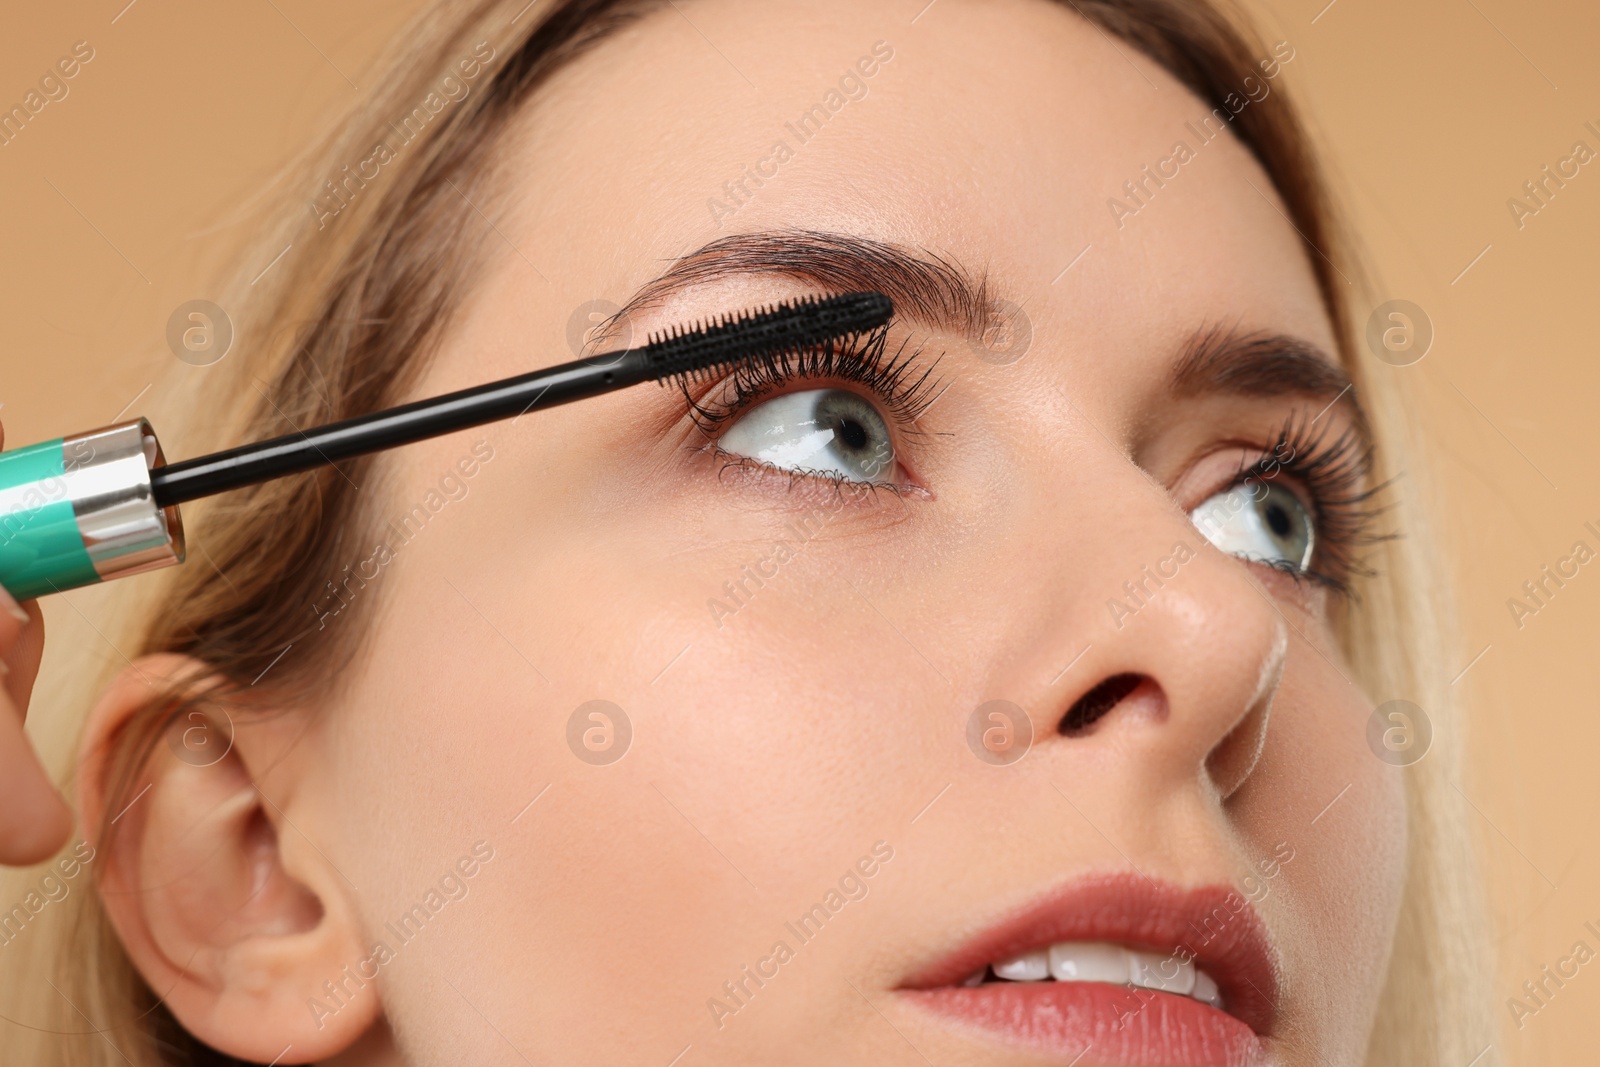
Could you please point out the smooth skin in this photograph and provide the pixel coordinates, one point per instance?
(771, 752)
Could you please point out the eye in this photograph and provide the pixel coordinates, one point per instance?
(820, 431)
(1259, 522)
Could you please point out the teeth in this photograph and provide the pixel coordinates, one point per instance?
(1102, 961)
(1166, 973)
(1090, 961)
(1029, 967)
(1205, 990)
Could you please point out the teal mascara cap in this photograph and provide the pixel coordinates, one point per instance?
(79, 510)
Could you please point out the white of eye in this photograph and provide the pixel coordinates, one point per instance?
(823, 431)
(1259, 522)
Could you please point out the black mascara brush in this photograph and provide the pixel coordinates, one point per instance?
(104, 504)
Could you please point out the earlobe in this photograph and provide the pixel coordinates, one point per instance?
(233, 919)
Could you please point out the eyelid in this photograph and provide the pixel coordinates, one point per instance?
(1192, 489)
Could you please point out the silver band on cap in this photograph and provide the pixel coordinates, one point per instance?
(107, 472)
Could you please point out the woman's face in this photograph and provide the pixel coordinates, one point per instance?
(819, 827)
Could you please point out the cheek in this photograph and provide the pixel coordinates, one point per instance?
(751, 756)
(1323, 792)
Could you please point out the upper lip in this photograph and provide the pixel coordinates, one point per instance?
(1216, 924)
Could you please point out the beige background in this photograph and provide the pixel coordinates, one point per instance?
(116, 208)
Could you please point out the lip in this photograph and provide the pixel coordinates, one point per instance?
(1215, 925)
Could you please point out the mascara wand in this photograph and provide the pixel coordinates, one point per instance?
(104, 504)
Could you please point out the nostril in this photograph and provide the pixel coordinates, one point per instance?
(1097, 701)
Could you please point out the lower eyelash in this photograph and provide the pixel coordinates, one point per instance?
(903, 385)
(1345, 507)
(846, 490)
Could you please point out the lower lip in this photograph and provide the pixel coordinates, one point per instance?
(1100, 1023)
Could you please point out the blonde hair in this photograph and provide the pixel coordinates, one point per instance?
(385, 217)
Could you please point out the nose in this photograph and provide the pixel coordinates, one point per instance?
(1182, 663)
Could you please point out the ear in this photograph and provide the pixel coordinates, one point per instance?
(234, 918)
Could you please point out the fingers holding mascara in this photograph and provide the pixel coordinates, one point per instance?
(34, 819)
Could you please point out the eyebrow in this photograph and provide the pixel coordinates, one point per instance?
(1218, 360)
(924, 286)
(938, 292)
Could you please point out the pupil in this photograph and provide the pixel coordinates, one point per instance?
(853, 434)
(1278, 519)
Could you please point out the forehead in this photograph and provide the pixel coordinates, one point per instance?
(1011, 136)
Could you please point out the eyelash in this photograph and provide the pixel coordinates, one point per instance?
(901, 382)
(1333, 472)
(1344, 508)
